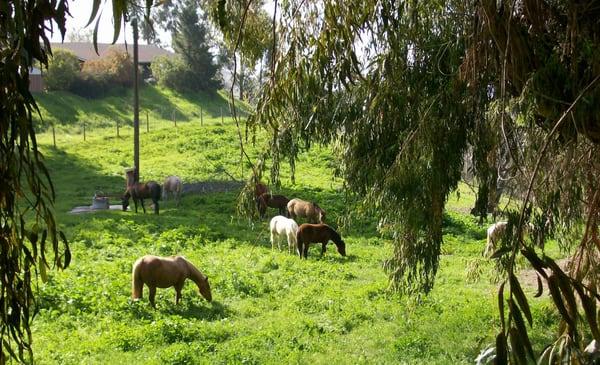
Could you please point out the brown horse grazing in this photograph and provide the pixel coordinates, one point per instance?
(301, 208)
(165, 272)
(318, 233)
(273, 201)
(141, 191)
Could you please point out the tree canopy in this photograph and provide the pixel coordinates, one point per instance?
(404, 89)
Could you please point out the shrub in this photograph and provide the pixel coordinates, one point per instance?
(63, 70)
(116, 66)
(172, 72)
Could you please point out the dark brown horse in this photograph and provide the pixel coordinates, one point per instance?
(141, 191)
(273, 201)
(318, 233)
(165, 272)
(310, 210)
(260, 189)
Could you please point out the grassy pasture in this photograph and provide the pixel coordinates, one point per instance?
(268, 306)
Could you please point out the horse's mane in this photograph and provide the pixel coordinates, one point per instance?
(195, 274)
(335, 237)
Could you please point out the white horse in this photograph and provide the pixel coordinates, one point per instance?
(174, 186)
(496, 231)
(281, 226)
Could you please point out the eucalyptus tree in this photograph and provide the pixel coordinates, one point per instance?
(30, 240)
(401, 88)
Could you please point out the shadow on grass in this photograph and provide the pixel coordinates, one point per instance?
(461, 226)
(212, 311)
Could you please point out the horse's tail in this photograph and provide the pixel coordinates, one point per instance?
(137, 285)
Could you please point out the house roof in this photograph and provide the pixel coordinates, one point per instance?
(85, 51)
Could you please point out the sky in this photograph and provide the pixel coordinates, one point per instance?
(82, 9)
(80, 14)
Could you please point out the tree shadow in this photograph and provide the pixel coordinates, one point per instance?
(459, 227)
(212, 311)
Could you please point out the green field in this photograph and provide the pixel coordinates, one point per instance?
(268, 306)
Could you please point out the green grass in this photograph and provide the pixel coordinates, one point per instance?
(269, 306)
(158, 106)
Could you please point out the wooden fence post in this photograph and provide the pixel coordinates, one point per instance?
(174, 119)
(53, 136)
(201, 117)
(118, 128)
(147, 122)
(221, 115)
(84, 130)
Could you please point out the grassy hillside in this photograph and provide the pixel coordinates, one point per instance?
(67, 112)
(268, 306)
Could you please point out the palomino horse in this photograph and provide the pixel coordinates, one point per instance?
(274, 201)
(282, 226)
(318, 233)
(301, 208)
(141, 191)
(174, 186)
(165, 272)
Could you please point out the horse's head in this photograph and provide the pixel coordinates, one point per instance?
(125, 201)
(321, 214)
(204, 289)
(339, 242)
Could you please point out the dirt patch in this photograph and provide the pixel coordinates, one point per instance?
(528, 278)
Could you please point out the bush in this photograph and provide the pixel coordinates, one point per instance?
(116, 67)
(172, 73)
(63, 70)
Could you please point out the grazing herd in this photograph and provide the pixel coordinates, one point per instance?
(164, 272)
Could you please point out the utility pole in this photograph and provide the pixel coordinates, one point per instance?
(136, 104)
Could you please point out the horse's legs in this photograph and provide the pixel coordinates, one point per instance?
(135, 204)
(143, 207)
(178, 288)
(323, 248)
(155, 207)
(152, 295)
(291, 239)
(272, 241)
(305, 251)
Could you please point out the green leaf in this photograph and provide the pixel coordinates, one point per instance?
(95, 8)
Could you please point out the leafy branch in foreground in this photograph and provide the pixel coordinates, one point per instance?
(28, 230)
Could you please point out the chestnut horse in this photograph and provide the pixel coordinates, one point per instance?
(273, 201)
(165, 272)
(141, 191)
(282, 226)
(174, 186)
(318, 233)
(310, 210)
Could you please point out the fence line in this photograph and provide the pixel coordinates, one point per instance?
(86, 131)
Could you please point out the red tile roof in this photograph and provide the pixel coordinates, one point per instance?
(85, 51)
